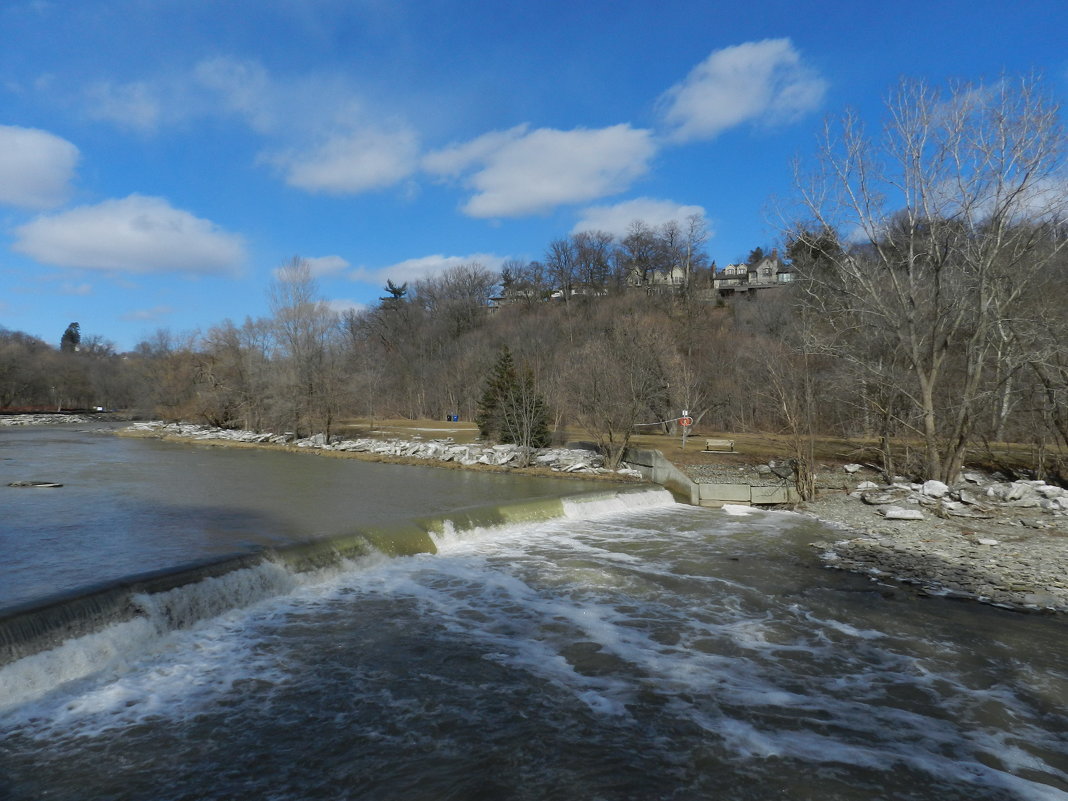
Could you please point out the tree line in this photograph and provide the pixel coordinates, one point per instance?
(928, 316)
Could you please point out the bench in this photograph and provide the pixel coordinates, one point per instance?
(719, 446)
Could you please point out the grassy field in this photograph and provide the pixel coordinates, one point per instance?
(750, 448)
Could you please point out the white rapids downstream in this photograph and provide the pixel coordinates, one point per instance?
(629, 649)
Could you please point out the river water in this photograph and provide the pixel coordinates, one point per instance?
(631, 648)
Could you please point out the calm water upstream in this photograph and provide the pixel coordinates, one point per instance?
(631, 649)
(134, 505)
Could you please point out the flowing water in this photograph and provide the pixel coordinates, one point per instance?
(630, 648)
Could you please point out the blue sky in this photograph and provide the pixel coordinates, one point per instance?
(159, 159)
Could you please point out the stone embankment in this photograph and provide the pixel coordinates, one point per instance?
(43, 419)
(987, 538)
(561, 460)
(990, 539)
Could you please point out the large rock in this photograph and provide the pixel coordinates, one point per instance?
(1051, 491)
(880, 498)
(934, 489)
(897, 513)
(1018, 491)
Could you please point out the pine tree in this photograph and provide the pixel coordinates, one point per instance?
(524, 415)
(397, 295)
(500, 382)
(511, 411)
(71, 339)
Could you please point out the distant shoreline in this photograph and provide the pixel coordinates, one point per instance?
(557, 462)
(1008, 553)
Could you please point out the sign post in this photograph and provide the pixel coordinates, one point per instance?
(685, 421)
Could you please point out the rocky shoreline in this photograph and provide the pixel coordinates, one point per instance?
(50, 419)
(573, 461)
(988, 539)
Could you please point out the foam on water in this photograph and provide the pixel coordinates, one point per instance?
(736, 510)
(158, 615)
(671, 630)
(591, 507)
(769, 642)
(160, 621)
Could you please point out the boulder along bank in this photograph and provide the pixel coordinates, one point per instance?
(986, 538)
(572, 461)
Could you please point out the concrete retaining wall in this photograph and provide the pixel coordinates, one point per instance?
(716, 495)
(656, 468)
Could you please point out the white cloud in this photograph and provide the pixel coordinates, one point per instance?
(615, 219)
(36, 167)
(411, 270)
(67, 288)
(520, 172)
(134, 106)
(326, 265)
(146, 315)
(136, 234)
(244, 88)
(318, 131)
(340, 306)
(318, 266)
(291, 107)
(454, 160)
(755, 81)
(215, 87)
(348, 164)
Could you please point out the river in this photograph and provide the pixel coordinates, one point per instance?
(629, 648)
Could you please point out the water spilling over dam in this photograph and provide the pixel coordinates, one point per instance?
(613, 645)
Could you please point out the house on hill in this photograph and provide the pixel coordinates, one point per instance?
(768, 273)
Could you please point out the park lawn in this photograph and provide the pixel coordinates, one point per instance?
(750, 447)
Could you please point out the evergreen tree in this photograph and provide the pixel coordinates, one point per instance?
(397, 294)
(524, 415)
(510, 409)
(71, 339)
(498, 385)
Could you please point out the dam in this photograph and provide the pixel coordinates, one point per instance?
(480, 640)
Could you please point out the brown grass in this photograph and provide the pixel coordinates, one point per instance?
(750, 448)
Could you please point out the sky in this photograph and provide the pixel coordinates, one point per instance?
(161, 159)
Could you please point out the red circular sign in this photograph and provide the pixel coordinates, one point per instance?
(685, 421)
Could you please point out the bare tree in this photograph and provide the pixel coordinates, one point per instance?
(695, 237)
(525, 284)
(234, 374)
(925, 241)
(458, 299)
(640, 253)
(619, 379)
(593, 260)
(306, 338)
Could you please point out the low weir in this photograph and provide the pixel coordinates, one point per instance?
(182, 595)
(191, 622)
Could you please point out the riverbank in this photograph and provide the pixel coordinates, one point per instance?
(49, 419)
(986, 539)
(414, 450)
(998, 542)
(989, 539)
